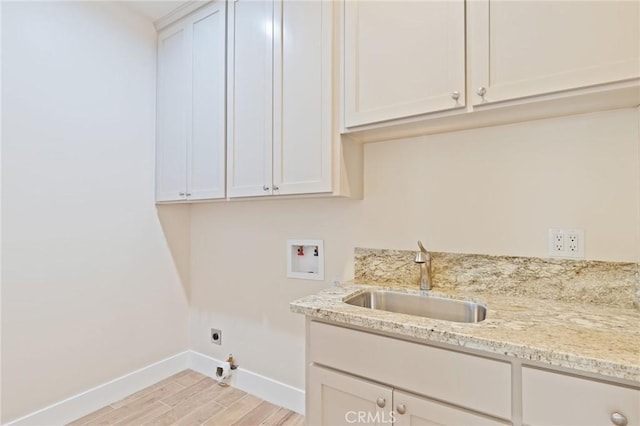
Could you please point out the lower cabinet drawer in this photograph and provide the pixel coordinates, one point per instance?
(550, 398)
(457, 378)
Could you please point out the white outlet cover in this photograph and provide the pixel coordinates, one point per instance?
(574, 243)
(569, 250)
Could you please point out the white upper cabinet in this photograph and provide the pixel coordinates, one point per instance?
(280, 94)
(171, 146)
(249, 98)
(190, 146)
(404, 61)
(402, 58)
(303, 97)
(527, 48)
(207, 148)
(282, 139)
(247, 103)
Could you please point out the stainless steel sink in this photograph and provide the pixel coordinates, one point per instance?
(420, 305)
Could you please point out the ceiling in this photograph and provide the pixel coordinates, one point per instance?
(154, 9)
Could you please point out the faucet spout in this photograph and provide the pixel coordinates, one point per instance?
(423, 258)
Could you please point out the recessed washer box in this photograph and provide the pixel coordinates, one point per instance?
(305, 259)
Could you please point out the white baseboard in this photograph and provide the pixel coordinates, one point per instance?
(256, 384)
(93, 399)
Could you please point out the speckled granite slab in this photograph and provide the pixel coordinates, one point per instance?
(588, 338)
(577, 281)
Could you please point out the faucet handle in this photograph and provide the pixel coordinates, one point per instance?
(422, 256)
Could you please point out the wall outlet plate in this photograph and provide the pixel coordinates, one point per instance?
(216, 336)
(566, 243)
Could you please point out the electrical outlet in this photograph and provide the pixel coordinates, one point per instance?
(575, 243)
(566, 243)
(558, 242)
(216, 336)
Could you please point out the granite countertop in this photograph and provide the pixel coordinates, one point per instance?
(589, 338)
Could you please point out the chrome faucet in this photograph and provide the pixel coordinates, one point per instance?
(423, 258)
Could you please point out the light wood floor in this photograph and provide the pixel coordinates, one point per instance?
(190, 398)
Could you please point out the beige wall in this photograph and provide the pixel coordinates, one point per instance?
(89, 286)
(493, 190)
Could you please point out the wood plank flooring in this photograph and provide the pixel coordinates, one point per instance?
(190, 398)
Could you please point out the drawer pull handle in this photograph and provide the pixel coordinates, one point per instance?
(618, 419)
(401, 409)
(381, 402)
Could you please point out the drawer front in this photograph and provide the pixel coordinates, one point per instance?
(550, 398)
(450, 376)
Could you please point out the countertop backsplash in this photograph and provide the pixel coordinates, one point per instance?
(576, 281)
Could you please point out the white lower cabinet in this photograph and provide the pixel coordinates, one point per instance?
(358, 377)
(412, 410)
(341, 399)
(550, 398)
(394, 380)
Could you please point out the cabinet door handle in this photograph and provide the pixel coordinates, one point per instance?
(401, 409)
(265, 188)
(182, 194)
(618, 419)
(381, 402)
(276, 188)
(481, 92)
(188, 194)
(455, 96)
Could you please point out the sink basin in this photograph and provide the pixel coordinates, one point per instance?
(420, 305)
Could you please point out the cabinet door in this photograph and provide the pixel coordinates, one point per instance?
(458, 378)
(411, 410)
(249, 98)
(206, 133)
(171, 147)
(339, 399)
(303, 96)
(402, 58)
(550, 399)
(525, 48)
